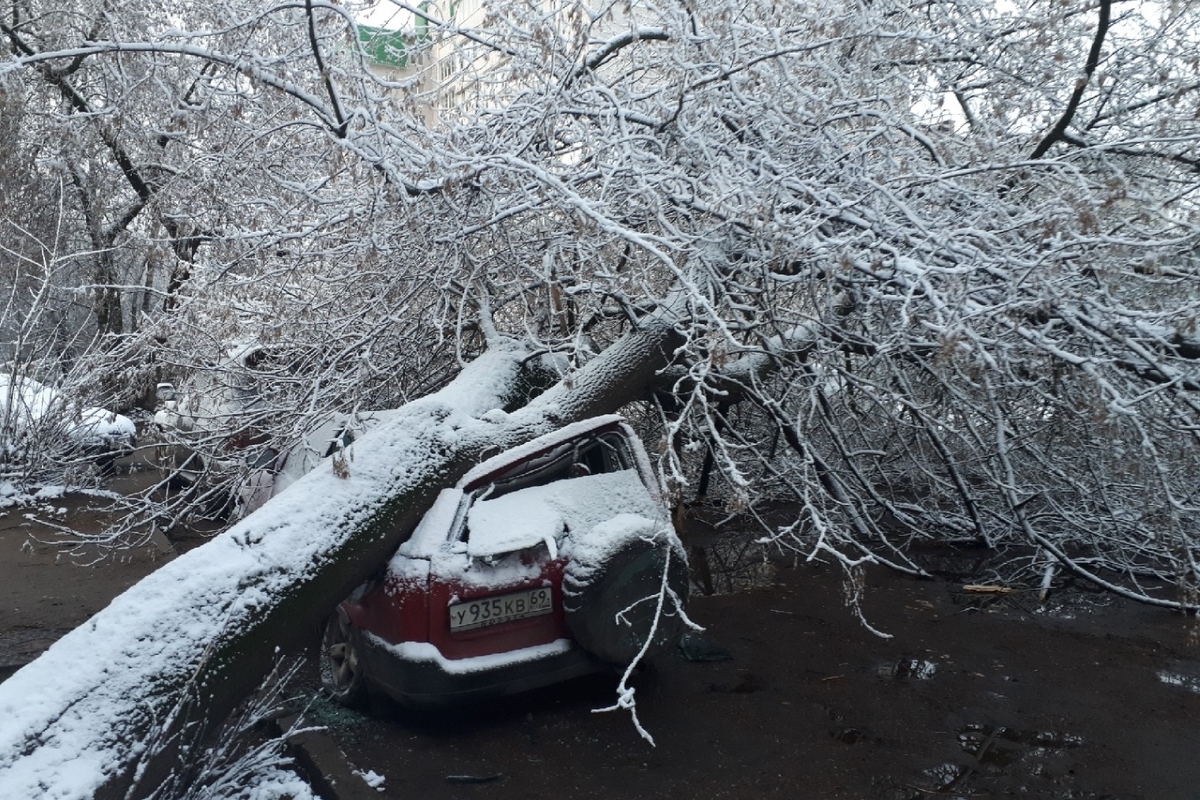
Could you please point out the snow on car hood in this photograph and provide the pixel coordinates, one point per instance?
(101, 425)
(528, 517)
(25, 403)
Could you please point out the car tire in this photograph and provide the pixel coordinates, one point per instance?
(341, 663)
(598, 589)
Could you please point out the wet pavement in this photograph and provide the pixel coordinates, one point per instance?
(978, 693)
(1084, 698)
(46, 589)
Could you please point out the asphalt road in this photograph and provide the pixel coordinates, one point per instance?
(974, 695)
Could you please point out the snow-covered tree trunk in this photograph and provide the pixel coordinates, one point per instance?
(110, 710)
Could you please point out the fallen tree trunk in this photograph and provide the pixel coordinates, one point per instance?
(110, 710)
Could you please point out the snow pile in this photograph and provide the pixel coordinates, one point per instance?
(372, 779)
(275, 784)
(27, 405)
(99, 426)
(12, 495)
(527, 517)
(24, 398)
(40, 497)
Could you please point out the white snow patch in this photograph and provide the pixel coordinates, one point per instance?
(423, 652)
(371, 778)
(527, 517)
(611, 534)
(277, 784)
(435, 526)
(453, 564)
(407, 574)
(26, 404)
(98, 425)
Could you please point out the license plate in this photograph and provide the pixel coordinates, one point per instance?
(501, 608)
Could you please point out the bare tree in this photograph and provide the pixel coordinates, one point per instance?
(963, 238)
(930, 269)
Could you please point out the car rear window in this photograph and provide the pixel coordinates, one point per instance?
(602, 454)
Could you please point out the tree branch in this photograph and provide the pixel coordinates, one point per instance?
(1056, 133)
(334, 100)
(611, 48)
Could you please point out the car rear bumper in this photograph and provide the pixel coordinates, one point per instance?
(417, 675)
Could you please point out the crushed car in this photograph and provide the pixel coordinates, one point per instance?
(547, 562)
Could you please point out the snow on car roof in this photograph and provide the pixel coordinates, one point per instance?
(530, 516)
(31, 397)
(27, 401)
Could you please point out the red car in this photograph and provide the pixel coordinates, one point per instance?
(547, 562)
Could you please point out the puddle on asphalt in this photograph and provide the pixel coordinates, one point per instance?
(943, 776)
(905, 668)
(1188, 682)
(999, 747)
(1001, 761)
(975, 600)
(1069, 604)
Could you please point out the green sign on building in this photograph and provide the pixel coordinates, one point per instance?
(391, 48)
(388, 48)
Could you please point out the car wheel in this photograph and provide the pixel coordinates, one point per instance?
(611, 599)
(341, 666)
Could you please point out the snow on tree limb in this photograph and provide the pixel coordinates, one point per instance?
(997, 348)
(98, 715)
